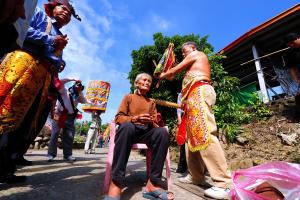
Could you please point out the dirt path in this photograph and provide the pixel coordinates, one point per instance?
(82, 180)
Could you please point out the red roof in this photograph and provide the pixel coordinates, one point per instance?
(261, 27)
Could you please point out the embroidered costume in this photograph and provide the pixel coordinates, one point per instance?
(198, 120)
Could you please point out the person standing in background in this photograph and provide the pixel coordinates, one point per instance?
(90, 143)
(64, 117)
(182, 165)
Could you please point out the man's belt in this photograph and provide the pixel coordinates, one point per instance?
(198, 84)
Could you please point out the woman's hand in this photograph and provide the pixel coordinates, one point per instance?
(143, 118)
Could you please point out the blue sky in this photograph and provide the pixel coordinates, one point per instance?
(100, 46)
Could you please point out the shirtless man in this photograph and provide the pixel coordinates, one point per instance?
(293, 40)
(204, 149)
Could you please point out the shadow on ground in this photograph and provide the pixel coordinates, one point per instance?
(58, 180)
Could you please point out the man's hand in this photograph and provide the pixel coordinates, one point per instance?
(178, 121)
(183, 105)
(12, 10)
(143, 118)
(166, 75)
(56, 117)
(60, 42)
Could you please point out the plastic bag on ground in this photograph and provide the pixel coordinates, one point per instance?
(283, 176)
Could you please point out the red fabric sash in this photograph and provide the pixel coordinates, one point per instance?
(62, 118)
(181, 134)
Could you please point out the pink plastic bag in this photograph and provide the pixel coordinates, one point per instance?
(282, 175)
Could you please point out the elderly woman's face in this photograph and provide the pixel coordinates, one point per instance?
(143, 84)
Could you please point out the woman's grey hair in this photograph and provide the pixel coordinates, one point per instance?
(138, 77)
(189, 43)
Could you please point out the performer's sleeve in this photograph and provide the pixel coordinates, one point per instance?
(34, 34)
(122, 114)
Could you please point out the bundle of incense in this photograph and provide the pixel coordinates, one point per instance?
(166, 103)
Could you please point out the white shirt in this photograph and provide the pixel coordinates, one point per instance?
(22, 25)
(65, 95)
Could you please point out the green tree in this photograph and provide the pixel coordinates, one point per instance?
(143, 62)
(82, 127)
(103, 127)
(229, 114)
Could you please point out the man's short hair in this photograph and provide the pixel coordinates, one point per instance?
(290, 37)
(79, 84)
(189, 43)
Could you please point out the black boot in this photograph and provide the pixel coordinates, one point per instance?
(22, 161)
(12, 179)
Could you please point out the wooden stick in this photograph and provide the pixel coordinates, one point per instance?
(275, 52)
(158, 82)
(154, 63)
(166, 103)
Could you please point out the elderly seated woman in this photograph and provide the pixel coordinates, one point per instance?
(137, 122)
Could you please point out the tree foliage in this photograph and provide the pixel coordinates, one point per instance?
(82, 127)
(229, 114)
(143, 62)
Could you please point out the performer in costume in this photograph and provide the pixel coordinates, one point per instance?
(198, 122)
(25, 77)
(31, 130)
(28, 71)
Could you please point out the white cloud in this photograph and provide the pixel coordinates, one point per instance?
(137, 30)
(108, 44)
(87, 13)
(86, 54)
(118, 13)
(151, 24)
(104, 22)
(160, 22)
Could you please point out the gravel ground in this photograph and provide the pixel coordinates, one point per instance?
(81, 180)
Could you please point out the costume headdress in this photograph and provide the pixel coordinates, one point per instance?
(52, 3)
